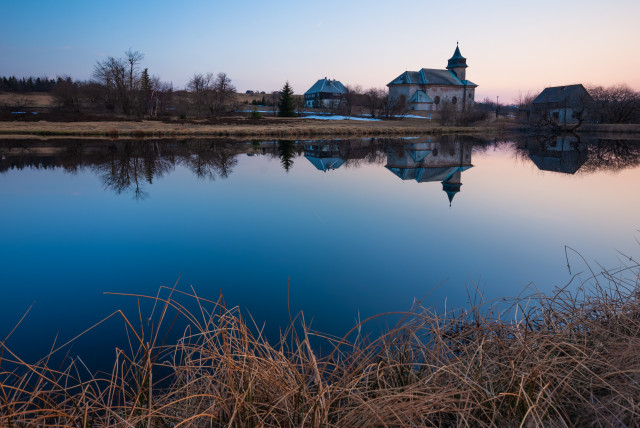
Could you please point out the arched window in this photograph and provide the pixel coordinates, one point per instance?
(454, 100)
(437, 100)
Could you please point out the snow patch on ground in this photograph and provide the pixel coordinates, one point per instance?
(413, 116)
(338, 117)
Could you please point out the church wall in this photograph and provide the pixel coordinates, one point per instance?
(396, 91)
(446, 93)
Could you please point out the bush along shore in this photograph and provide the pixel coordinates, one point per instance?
(569, 358)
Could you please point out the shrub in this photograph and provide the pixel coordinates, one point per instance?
(255, 114)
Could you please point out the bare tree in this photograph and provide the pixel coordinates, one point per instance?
(223, 94)
(615, 104)
(67, 94)
(350, 98)
(200, 86)
(133, 58)
(216, 94)
(375, 100)
(119, 78)
(394, 107)
(111, 74)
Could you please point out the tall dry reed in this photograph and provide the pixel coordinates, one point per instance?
(566, 359)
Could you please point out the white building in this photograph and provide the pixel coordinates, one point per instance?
(325, 93)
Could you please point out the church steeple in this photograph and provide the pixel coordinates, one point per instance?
(458, 63)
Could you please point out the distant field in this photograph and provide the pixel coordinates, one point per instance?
(34, 99)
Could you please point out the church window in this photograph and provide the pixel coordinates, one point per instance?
(454, 100)
(437, 100)
(469, 96)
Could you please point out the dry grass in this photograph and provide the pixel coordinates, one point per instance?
(281, 128)
(28, 100)
(569, 359)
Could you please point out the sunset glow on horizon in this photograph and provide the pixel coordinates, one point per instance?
(511, 47)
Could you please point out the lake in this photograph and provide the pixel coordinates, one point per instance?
(350, 227)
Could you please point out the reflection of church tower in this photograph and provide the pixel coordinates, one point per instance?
(452, 185)
(430, 162)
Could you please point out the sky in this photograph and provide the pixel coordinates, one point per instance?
(512, 47)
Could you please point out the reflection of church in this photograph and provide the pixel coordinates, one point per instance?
(564, 154)
(430, 162)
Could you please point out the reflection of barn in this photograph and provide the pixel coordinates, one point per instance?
(563, 154)
(429, 162)
(324, 156)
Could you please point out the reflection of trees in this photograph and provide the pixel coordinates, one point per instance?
(210, 159)
(287, 151)
(611, 155)
(129, 165)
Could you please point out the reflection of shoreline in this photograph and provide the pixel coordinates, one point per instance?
(131, 165)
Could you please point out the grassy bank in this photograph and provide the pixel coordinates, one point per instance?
(567, 359)
(267, 127)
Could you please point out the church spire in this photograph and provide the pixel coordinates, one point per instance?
(457, 63)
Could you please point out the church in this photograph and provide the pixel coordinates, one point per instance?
(429, 89)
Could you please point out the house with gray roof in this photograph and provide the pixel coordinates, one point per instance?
(325, 93)
(562, 104)
(429, 89)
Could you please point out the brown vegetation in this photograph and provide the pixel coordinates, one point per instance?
(569, 359)
(235, 126)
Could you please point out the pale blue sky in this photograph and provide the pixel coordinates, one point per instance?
(511, 46)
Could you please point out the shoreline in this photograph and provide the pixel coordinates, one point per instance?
(275, 128)
(296, 127)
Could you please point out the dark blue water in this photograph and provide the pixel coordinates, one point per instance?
(355, 227)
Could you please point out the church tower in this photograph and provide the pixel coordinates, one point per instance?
(458, 64)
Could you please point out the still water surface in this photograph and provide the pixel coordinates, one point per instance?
(355, 227)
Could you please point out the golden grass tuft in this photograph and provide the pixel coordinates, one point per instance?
(567, 359)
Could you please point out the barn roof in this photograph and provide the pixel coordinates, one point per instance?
(560, 94)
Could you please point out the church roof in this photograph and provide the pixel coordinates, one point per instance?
(408, 78)
(451, 189)
(457, 60)
(327, 86)
(422, 174)
(457, 54)
(430, 76)
(420, 97)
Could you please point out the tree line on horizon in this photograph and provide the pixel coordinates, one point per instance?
(120, 85)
